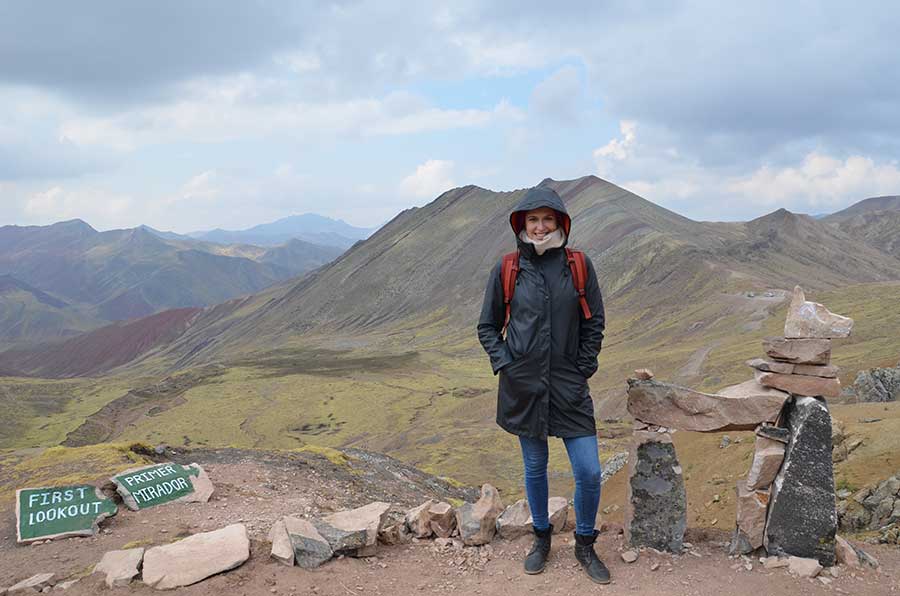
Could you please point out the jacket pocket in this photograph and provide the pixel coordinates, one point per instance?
(519, 399)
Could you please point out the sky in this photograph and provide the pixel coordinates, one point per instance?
(190, 115)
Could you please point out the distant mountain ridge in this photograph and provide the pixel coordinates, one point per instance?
(66, 278)
(875, 221)
(308, 227)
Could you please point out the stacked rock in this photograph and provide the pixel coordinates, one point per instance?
(786, 502)
(790, 508)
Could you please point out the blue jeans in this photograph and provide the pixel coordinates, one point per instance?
(585, 461)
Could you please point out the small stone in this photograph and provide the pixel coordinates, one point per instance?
(775, 562)
(515, 521)
(558, 509)
(776, 433)
(629, 556)
(61, 586)
(767, 458)
(844, 553)
(477, 522)
(762, 364)
(804, 567)
(418, 519)
(645, 374)
(654, 566)
(33, 583)
(282, 550)
(812, 320)
(443, 519)
(368, 519)
(120, 566)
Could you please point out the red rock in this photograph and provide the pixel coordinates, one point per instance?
(798, 351)
(801, 384)
(828, 370)
(771, 366)
(740, 407)
(811, 319)
(767, 458)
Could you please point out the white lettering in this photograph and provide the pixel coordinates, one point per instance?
(96, 507)
(32, 498)
(51, 514)
(30, 518)
(56, 497)
(40, 516)
(81, 490)
(44, 499)
(84, 508)
(69, 494)
(73, 510)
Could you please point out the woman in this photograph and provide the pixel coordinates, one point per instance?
(549, 352)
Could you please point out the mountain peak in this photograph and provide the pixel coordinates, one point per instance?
(74, 225)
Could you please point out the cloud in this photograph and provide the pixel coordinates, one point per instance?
(221, 110)
(96, 206)
(616, 149)
(819, 182)
(816, 182)
(559, 96)
(429, 180)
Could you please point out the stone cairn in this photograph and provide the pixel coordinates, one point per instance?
(786, 502)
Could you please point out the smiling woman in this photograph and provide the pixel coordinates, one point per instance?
(542, 325)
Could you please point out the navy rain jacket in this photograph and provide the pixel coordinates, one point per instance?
(550, 349)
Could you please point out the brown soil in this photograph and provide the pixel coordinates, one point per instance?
(255, 488)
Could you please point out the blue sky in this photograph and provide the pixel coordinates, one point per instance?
(195, 115)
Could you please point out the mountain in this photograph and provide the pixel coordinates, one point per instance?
(68, 277)
(29, 315)
(377, 348)
(875, 221)
(428, 266)
(308, 227)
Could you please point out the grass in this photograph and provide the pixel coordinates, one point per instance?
(436, 409)
(57, 466)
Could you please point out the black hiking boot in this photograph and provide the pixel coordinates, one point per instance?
(584, 552)
(540, 550)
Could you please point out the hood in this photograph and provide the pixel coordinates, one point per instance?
(535, 198)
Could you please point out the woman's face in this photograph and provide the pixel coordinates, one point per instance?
(540, 222)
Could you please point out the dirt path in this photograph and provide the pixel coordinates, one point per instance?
(257, 491)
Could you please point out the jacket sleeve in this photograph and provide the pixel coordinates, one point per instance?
(591, 335)
(490, 324)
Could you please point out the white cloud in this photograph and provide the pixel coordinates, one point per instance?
(820, 181)
(201, 187)
(233, 108)
(429, 180)
(96, 206)
(617, 149)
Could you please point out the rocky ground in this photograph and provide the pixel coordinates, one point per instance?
(256, 488)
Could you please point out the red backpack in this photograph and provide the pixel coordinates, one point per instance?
(511, 269)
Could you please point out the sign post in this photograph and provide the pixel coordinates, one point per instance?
(149, 486)
(55, 512)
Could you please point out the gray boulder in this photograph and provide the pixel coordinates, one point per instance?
(878, 384)
(802, 518)
(656, 505)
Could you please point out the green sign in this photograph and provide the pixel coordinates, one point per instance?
(60, 511)
(155, 485)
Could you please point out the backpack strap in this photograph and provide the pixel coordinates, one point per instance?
(509, 272)
(579, 276)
